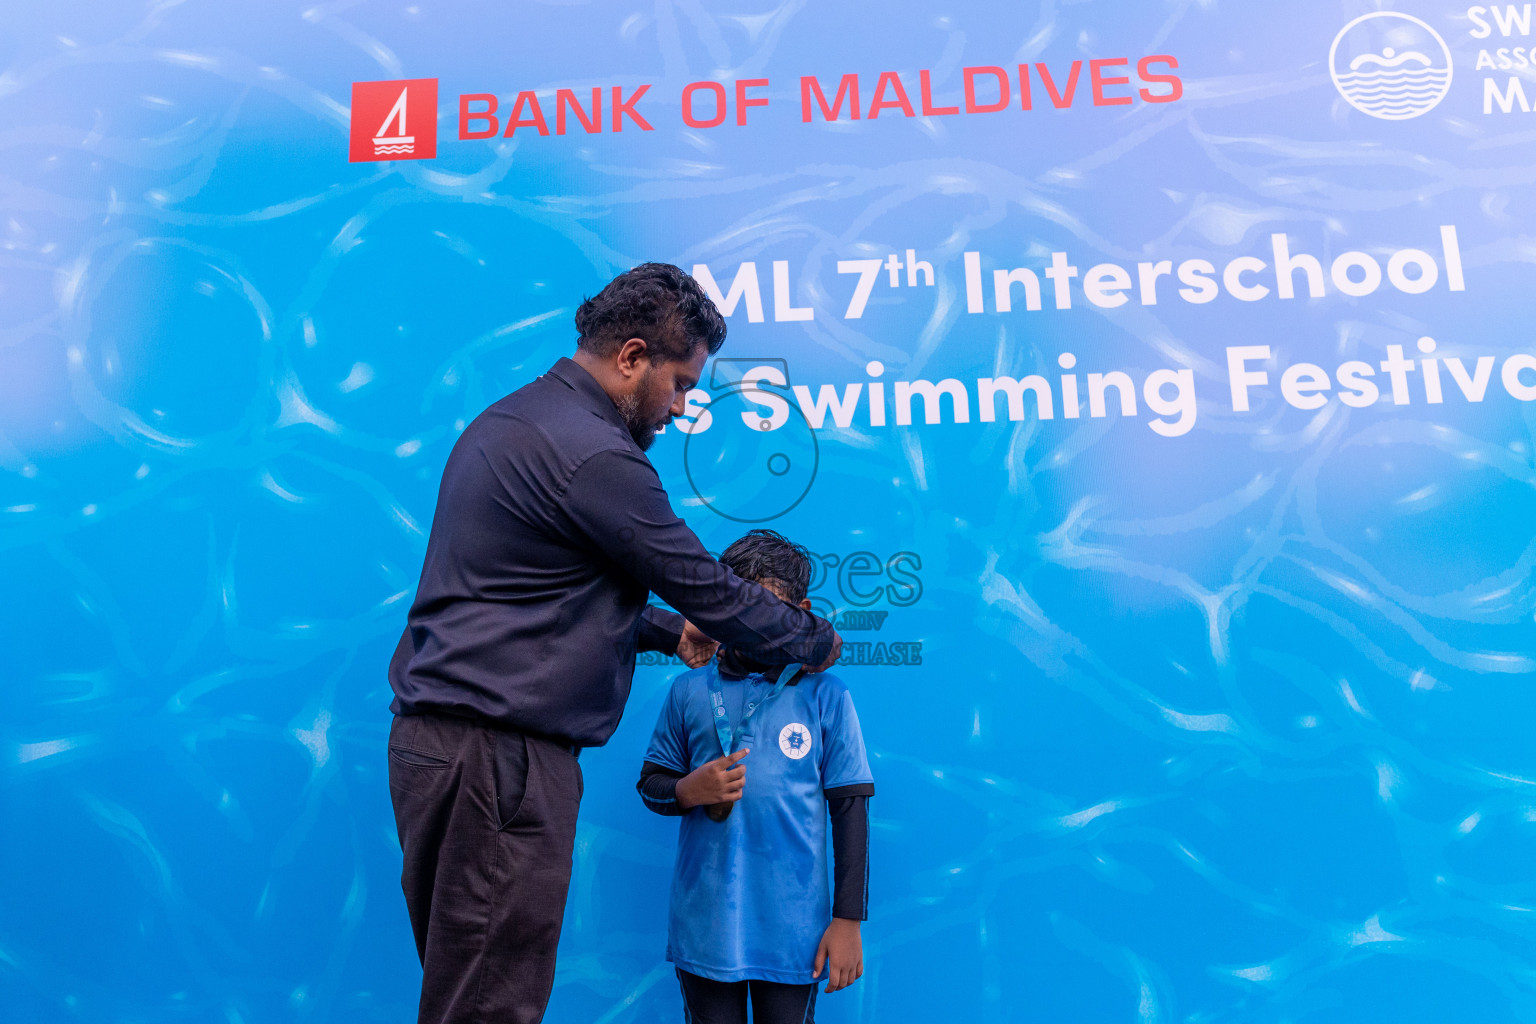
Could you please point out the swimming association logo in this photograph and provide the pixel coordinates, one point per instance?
(394, 120)
(1389, 65)
(795, 741)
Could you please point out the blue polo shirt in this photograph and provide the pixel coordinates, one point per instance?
(750, 898)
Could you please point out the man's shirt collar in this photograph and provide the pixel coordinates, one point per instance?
(590, 393)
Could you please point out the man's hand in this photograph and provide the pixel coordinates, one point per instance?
(842, 952)
(718, 782)
(694, 647)
(837, 652)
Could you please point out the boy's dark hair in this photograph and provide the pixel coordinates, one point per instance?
(764, 556)
(657, 302)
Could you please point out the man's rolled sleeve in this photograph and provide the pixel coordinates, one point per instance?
(616, 499)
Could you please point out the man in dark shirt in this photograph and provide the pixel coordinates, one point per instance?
(551, 530)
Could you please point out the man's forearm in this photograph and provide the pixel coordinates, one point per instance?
(660, 630)
(729, 609)
(617, 501)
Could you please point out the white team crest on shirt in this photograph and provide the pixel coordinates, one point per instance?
(795, 741)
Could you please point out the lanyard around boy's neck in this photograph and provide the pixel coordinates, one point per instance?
(729, 736)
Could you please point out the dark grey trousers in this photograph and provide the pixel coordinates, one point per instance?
(487, 821)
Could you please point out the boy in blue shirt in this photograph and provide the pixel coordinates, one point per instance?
(750, 919)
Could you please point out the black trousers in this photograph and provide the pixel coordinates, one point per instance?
(725, 1002)
(487, 821)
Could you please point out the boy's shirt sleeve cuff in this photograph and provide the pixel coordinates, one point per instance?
(654, 759)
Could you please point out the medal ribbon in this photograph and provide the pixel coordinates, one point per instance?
(728, 736)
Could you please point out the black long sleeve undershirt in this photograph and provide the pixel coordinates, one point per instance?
(849, 809)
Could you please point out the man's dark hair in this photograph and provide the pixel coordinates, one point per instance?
(656, 302)
(765, 557)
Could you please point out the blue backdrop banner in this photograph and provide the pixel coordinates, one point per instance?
(1153, 383)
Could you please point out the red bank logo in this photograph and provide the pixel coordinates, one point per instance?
(394, 120)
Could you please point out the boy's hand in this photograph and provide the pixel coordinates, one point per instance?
(718, 782)
(842, 952)
(694, 647)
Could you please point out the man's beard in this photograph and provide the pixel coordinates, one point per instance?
(642, 431)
